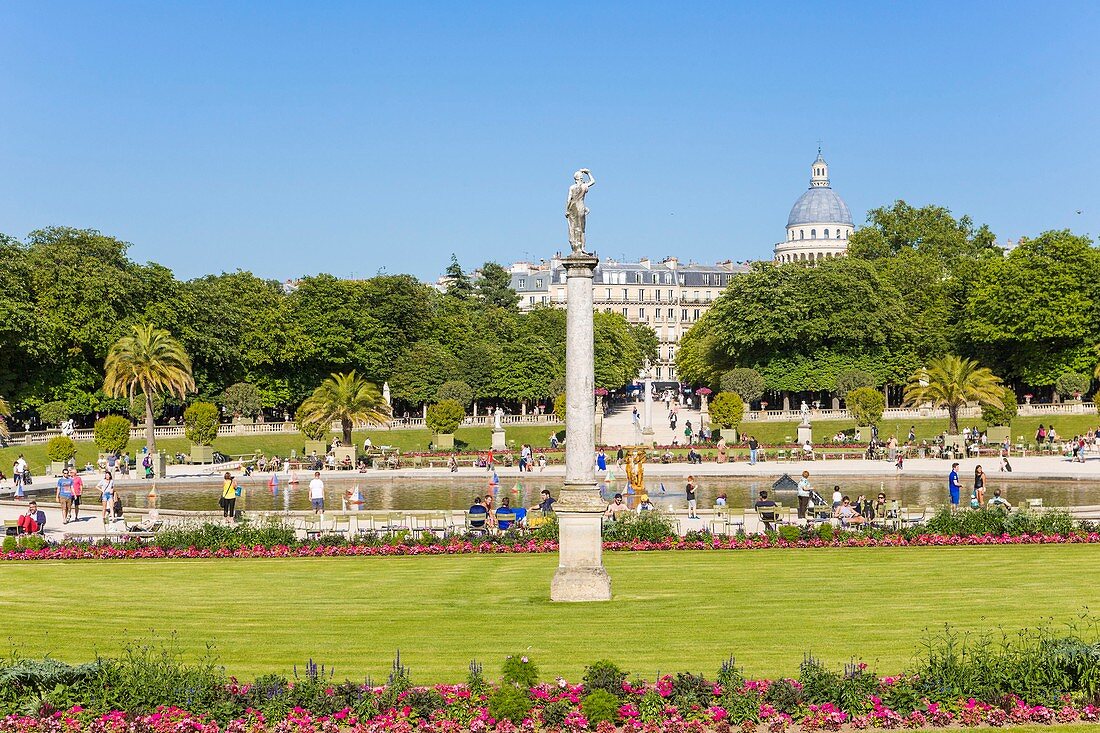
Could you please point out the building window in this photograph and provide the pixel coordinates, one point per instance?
(683, 314)
(655, 278)
(706, 296)
(658, 372)
(522, 283)
(801, 233)
(706, 279)
(625, 296)
(813, 234)
(695, 296)
(696, 318)
(609, 293)
(838, 234)
(672, 372)
(671, 353)
(826, 233)
(624, 312)
(545, 298)
(641, 314)
(532, 300)
(671, 314)
(641, 295)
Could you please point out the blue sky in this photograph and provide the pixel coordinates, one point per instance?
(291, 138)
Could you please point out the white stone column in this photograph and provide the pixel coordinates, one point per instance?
(580, 575)
(647, 413)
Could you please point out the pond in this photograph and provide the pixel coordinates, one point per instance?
(435, 493)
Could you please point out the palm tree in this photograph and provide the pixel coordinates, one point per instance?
(5, 411)
(349, 398)
(951, 382)
(149, 361)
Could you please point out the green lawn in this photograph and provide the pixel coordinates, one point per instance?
(672, 611)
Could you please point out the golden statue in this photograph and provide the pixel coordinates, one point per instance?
(635, 469)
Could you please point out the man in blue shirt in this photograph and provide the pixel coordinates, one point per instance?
(65, 495)
(953, 485)
(478, 514)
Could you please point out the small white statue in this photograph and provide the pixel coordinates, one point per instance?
(497, 416)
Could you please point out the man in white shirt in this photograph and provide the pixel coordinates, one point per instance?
(317, 493)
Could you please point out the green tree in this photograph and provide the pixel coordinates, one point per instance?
(1033, 314)
(445, 416)
(201, 421)
(559, 406)
(1001, 416)
(349, 398)
(494, 287)
(459, 286)
(727, 409)
(479, 360)
(242, 399)
(53, 413)
(893, 230)
(951, 382)
(112, 433)
(148, 361)
(745, 382)
(851, 379)
(421, 371)
(60, 448)
(456, 391)
(526, 369)
(312, 430)
(866, 405)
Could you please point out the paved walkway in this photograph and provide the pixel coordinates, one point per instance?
(618, 428)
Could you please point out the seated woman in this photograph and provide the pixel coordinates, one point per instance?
(847, 513)
(506, 510)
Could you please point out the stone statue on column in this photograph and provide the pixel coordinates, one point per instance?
(576, 213)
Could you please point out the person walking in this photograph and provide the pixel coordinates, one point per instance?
(65, 495)
(228, 500)
(106, 488)
(977, 497)
(317, 493)
(953, 485)
(804, 489)
(78, 489)
(692, 503)
(17, 469)
(753, 447)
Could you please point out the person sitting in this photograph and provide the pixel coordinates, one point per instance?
(766, 508)
(346, 463)
(667, 456)
(616, 507)
(880, 507)
(807, 451)
(33, 521)
(847, 513)
(546, 505)
(503, 513)
(695, 456)
(998, 501)
(645, 505)
(478, 514)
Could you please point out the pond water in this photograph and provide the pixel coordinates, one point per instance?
(457, 493)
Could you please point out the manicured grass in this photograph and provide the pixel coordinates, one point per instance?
(672, 611)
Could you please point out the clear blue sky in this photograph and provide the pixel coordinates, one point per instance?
(291, 138)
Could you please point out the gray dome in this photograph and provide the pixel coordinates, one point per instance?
(819, 205)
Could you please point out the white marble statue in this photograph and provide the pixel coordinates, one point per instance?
(497, 418)
(805, 410)
(575, 211)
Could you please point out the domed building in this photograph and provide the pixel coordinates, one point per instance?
(820, 222)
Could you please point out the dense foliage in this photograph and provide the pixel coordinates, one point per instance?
(69, 294)
(445, 416)
(866, 405)
(727, 409)
(917, 284)
(60, 448)
(243, 399)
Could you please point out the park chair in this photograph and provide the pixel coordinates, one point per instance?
(506, 520)
(341, 524)
(434, 522)
(11, 527)
(728, 523)
(396, 522)
(477, 523)
(770, 517)
(311, 526)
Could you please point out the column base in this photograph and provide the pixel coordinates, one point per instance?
(579, 585)
(499, 443)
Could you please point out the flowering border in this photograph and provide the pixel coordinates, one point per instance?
(79, 551)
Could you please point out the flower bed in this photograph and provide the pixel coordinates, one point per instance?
(523, 546)
(102, 697)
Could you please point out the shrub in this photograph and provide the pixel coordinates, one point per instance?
(649, 526)
(242, 399)
(1001, 416)
(866, 405)
(785, 696)
(456, 390)
(604, 675)
(600, 706)
(825, 532)
(555, 713)
(1072, 382)
(60, 448)
(54, 413)
(559, 406)
(510, 703)
(520, 671)
(201, 421)
(112, 433)
(445, 417)
(312, 430)
(790, 533)
(747, 383)
(727, 409)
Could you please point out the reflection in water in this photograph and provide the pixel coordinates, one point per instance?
(458, 492)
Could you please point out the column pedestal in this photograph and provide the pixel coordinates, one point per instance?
(580, 575)
(499, 443)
